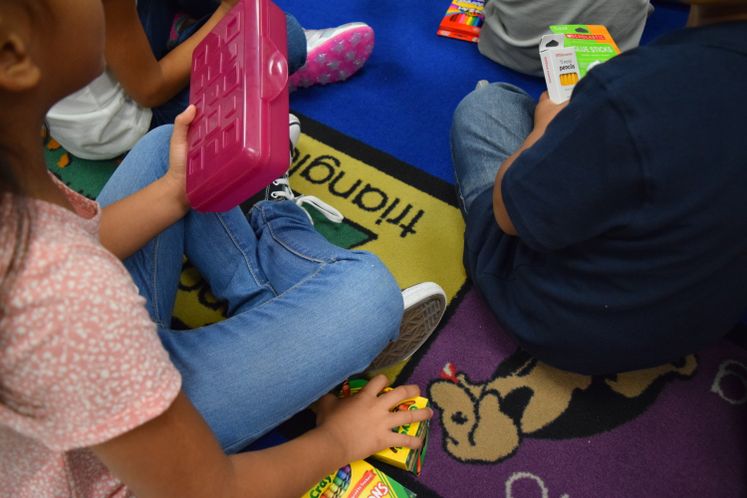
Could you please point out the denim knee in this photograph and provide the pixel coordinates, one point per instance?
(145, 163)
(149, 159)
(375, 285)
(487, 100)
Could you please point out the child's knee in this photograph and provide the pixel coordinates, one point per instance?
(145, 163)
(157, 138)
(152, 151)
(377, 291)
(480, 104)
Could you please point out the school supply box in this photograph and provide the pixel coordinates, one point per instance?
(400, 457)
(569, 52)
(358, 480)
(238, 142)
(463, 20)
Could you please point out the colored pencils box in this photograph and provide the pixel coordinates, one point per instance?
(569, 52)
(463, 20)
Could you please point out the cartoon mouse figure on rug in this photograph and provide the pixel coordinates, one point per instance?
(485, 422)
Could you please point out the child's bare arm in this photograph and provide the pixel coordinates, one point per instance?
(130, 223)
(150, 82)
(177, 455)
(544, 113)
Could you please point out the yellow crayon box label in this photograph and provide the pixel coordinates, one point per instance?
(400, 457)
(358, 480)
(407, 458)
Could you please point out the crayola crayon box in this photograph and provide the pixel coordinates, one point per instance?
(400, 457)
(569, 52)
(463, 20)
(358, 480)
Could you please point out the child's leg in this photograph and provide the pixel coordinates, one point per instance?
(325, 313)
(296, 44)
(305, 313)
(262, 365)
(489, 125)
(156, 267)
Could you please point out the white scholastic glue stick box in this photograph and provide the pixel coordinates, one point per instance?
(569, 52)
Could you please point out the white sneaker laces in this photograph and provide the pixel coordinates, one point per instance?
(327, 211)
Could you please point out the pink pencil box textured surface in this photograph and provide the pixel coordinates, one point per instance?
(238, 142)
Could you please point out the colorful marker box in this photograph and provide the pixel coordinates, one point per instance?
(359, 479)
(401, 457)
(569, 52)
(463, 20)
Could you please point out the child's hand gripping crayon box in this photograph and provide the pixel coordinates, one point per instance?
(358, 480)
(401, 457)
(569, 52)
(463, 20)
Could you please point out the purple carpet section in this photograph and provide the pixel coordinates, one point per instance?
(684, 435)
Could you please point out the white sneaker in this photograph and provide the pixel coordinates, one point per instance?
(279, 189)
(425, 304)
(333, 54)
(294, 130)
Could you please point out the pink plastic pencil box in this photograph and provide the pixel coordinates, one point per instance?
(238, 142)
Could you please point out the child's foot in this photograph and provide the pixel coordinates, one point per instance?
(425, 304)
(294, 132)
(333, 54)
(280, 188)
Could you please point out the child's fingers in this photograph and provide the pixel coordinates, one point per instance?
(397, 440)
(181, 126)
(374, 386)
(407, 417)
(186, 116)
(398, 394)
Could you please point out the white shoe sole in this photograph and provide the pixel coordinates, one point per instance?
(294, 130)
(425, 304)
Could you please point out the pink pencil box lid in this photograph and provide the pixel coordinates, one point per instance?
(238, 142)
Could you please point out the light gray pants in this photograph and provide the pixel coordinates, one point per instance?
(512, 30)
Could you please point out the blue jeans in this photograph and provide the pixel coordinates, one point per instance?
(303, 314)
(157, 16)
(489, 125)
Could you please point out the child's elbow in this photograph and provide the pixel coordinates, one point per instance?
(146, 97)
(147, 92)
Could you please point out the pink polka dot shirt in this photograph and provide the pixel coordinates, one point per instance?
(80, 360)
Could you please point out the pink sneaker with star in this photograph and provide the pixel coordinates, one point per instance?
(333, 54)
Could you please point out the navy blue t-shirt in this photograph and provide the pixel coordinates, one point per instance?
(631, 210)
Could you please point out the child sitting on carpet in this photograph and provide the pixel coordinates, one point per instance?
(610, 234)
(512, 29)
(92, 403)
(147, 77)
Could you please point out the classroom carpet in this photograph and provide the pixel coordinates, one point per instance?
(505, 425)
